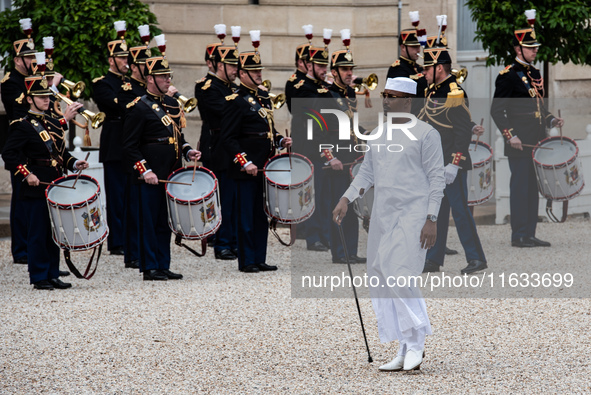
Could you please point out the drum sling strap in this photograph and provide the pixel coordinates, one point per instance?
(551, 215)
(292, 231)
(87, 273)
(178, 241)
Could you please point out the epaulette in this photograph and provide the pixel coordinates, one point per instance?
(201, 80)
(206, 85)
(133, 103)
(455, 97)
(232, 96)
(16, 120)
(97, 79)
(19, 99)
(263, 88)
(6, 77)
(322, 90)
(506, 69)
(395, 64)
(299, 84)
(292, 78)
(416, 76)
(126, 86)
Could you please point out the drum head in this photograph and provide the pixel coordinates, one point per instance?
(560, 153)
(481, 154)
(85, 189)
(300, 171)
(204, 184)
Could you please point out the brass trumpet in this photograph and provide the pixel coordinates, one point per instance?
(188, 104)
(76, 88)
(370, 82)
(460, 74)
(96, 120)
(276, 100)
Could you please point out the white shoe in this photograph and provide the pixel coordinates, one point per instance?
(395, 365)
(413, 360)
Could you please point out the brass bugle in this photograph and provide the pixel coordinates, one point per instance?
(371, 82)
(76, 88)
(460, 74)
(276, 100)
(96, 120)
(188, 104)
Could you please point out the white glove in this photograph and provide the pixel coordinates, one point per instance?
(451, 171)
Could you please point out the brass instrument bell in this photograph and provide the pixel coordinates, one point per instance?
(188, 104)
(276, 100)
(370, 82)
(460, 74)
(76, 88)
(96, 120)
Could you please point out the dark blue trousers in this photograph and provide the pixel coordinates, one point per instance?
(18, 222)
(131, 223)
(253, 226)
(318, 225)
(43, 253)
(338, 182)
(154, 231)
(456, 198)
(226, 237)
(524, 198)
(115, 181)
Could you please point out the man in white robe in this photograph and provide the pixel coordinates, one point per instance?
(408, 188)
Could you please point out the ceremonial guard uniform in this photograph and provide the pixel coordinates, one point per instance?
(315, 91)
(296, 80)
(406, 66)
(36, 148)
(204, 137)
(520, 114)
(250, 138)
(446, 109)
(106, 89)
(339, 180)
(136, 87)
(213, 100)
(12, 90)
(153, 143)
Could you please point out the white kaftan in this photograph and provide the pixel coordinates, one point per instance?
(408, 185)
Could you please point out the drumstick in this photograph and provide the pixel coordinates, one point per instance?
(344, 164)
(478, 137)
(535, 146)
(560, 116)
(56, 185)
(168, 182)
(264, 170)
(195, 164)
(80, 172)
(289, 149)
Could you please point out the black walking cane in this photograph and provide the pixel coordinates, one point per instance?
(369, 358)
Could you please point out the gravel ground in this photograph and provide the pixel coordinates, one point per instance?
(222, 331)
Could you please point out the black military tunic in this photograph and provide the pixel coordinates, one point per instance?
(106, 89)
(292, 86)
(129, 92)
(446, 109)
(518, 107)
(201, 86)
(12, 90)
(408, 68)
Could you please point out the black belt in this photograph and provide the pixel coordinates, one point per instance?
(161, 140)
(43, 162)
